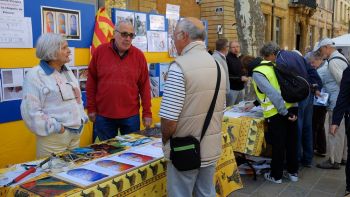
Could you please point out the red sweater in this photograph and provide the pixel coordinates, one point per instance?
(115, 85)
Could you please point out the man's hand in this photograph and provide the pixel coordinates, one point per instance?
(244, 79)
(92, 116)
(317, 93)
(333, 129)
(147, 122)
(292, 117)
(62, 129)
(248, 106)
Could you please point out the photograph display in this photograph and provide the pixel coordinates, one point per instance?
(62, 21)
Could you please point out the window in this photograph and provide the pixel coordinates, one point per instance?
(311, 36)
(341, 11)
(277, 35)
(267, 22)
(320, 34)
(329, 33)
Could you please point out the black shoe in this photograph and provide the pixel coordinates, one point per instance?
(328, 165)
(343, 162)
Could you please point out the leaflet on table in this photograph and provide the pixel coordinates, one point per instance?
(99, 170)
(236, 112)
(153, 149)
(17, 170)
(322, 99)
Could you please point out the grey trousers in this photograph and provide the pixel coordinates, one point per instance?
(198, 183)
(337, 144)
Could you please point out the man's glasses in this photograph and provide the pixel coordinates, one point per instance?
(126, 34)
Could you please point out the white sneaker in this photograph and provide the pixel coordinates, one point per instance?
(293, 177)
(268, 177)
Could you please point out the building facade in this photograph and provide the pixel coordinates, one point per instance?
(293, 24)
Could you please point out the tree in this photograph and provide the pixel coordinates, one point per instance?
(250, 23)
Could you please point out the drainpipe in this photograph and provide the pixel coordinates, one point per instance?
(272, 18)
(333, 18)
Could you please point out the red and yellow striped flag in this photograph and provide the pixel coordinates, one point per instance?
(103, 31)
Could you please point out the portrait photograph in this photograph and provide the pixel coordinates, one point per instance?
(49, 21)
(62, 21)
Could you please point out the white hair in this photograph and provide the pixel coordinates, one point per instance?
(48, 45)
(193, 32)
(122, 21)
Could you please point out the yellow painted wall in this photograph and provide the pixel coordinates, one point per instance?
(17, 142)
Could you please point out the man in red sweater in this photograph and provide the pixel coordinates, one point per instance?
(117, 80)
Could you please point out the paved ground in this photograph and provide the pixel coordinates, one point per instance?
(313, 182)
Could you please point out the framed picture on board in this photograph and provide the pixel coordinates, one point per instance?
(63, 21)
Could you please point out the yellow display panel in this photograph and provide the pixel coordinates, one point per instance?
(18, 143)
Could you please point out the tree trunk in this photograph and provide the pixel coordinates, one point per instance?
(250, 23)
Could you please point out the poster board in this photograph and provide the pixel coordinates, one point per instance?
(32, 10)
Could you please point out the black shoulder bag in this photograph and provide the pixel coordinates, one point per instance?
(185, 151)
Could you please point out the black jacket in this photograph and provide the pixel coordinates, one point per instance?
(235, 71)
(343, 100)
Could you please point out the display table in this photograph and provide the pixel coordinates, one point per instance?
(246, 131)
(150, 179)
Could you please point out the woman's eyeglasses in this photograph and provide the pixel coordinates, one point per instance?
(126, 34)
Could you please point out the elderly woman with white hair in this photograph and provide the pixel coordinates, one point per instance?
(52, 107)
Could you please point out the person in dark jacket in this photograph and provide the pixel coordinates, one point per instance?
(236, 74)
(342, 109)
(294, 62)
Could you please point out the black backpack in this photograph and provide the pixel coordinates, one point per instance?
(294, 88)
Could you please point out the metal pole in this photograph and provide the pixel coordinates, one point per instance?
(333, 18)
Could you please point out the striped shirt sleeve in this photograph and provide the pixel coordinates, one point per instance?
(174, 94)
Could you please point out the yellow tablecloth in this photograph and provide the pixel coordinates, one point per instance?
(246, 133)
(150, 180)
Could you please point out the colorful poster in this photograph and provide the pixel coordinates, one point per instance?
(140, 24)
(82, 77)
(12, 82)
(114, 165)
(157, 22)
(157, 41)
(82, 176)
(153, 149)
(136, 157)
(124, 16)
(172, 11)
(154, 86)
(48, 186)
(163, 70)
(140, 42)
(171, 29)
(63, 21)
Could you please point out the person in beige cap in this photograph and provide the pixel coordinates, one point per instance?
(336, 143)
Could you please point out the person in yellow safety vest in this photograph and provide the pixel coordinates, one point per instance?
(281, 119)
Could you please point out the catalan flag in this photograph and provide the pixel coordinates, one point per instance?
(103, 31)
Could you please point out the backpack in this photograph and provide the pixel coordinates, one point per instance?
(294, 88)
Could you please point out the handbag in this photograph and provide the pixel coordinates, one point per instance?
(185, 151)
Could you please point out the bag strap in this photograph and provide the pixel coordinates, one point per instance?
(212, 105)
(340, 58)
(67, 76)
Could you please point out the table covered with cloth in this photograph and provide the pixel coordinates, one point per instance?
(147, 180)
(246, 131)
